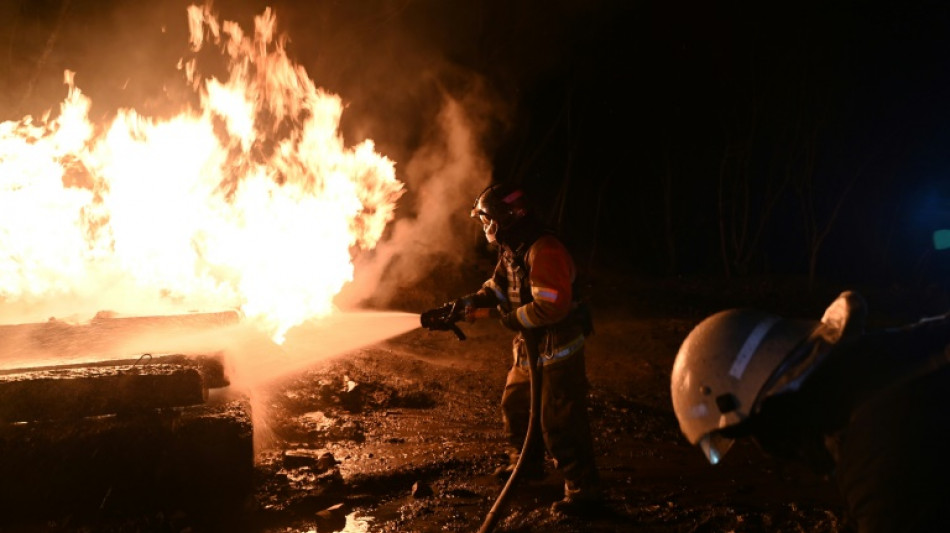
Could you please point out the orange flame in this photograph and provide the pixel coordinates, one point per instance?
(251, 201)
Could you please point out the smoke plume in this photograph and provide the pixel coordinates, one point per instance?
(444, 176)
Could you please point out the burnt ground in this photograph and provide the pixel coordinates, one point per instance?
(403, 436)
(428, 416)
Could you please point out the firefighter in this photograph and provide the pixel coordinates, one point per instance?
(532, 287)
(870, 409)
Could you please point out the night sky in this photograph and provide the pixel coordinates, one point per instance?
(663, 137)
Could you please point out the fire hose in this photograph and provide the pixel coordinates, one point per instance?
(534, 371)
(444, 319)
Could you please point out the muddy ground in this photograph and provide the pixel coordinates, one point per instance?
(402, 436)
(429, 415)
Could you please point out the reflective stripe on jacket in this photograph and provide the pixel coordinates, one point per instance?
(537, 285)
(549, 354)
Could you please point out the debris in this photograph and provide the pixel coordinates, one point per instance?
(300, 457)
(316, 421)
(316, 460)
(415, 399)
(332, 518)
(421, 490)
(169, 457)
(326, 461)
(351, 396)
(66, 393)
(349, 385)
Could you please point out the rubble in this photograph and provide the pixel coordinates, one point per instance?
(421, 490)
(89, 391)
(351, 396)
(317, 460)
(172, 457)
(94, 435)
(332, 518)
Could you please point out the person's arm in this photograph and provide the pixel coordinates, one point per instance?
(490, 294)
(858, 368)
(551, 278)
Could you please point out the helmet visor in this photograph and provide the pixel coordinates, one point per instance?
(714, 446)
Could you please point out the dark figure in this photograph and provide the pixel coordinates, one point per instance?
(870, 408)
(533, 287)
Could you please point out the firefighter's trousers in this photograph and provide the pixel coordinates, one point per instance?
(565, 428)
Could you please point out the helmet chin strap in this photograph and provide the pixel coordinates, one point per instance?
(491, 232)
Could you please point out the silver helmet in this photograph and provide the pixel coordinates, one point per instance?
(731, 359)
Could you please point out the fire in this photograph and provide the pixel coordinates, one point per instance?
(248, 200)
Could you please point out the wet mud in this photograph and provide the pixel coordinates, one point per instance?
(402, 436)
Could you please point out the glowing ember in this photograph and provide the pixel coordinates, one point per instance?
(251, 201)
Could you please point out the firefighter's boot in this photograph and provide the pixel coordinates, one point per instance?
(532, 470)
(581, 498)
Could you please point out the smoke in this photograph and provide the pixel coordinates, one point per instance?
(404, 71)
(443, 177)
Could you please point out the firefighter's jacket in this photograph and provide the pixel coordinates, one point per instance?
(536, 282)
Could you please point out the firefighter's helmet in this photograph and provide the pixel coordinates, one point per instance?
(722, 367)
(499, 208)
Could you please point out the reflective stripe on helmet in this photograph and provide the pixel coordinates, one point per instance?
(750, 345)
(698, 410)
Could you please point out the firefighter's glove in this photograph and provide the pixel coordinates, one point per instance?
(463, 308)
(441, 319)
(510, 321)
(468, 307)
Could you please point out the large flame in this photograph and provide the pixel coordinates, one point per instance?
(250, 201)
